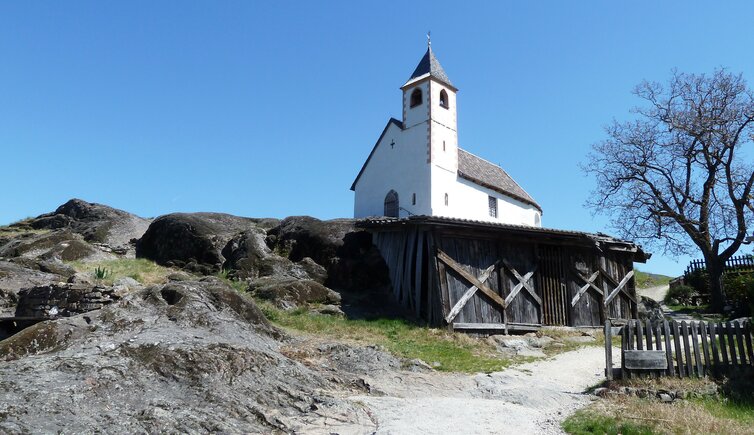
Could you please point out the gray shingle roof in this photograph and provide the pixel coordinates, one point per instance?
(430, 65)
(491, 176)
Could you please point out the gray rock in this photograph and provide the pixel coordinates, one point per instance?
(190, 356)
(650, 309)
(331, 310)
(287, 292)
(193, 241)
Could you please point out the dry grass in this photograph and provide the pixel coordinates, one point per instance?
(142, 270)
(704, 413)
(11, 232)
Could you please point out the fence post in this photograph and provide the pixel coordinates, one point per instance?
(608, 350)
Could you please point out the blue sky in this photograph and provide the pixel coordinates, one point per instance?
(270, 108)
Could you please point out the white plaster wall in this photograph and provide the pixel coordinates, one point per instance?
(418, 114)
(444, 134)
(467, 200)
(402, 168)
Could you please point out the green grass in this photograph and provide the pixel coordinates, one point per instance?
(443, 350)
(584, 422)
(237, 285)
(140, 269)
(647, 280)
(741, 411)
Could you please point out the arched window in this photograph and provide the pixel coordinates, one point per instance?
(391, 204)
(413, 199)
(444, 99)
(446, 199)
(416, 97)
(537, 220)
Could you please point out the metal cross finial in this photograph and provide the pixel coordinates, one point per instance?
(429, 40)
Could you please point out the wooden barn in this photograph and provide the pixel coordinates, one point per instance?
(490, 277)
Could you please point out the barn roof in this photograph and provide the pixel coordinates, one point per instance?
(491, 176)
(599, 240)
(429, 66)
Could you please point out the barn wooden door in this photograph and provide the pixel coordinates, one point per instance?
(552, 284)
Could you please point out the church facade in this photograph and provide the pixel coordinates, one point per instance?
(417, 168)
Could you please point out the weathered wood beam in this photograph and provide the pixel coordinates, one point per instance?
(589, 283)
(470, 293)
(620, 286)
(523, 281)
(442, 256)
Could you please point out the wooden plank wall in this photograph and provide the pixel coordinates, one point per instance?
(430, 289)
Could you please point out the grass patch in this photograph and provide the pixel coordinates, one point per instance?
(647, 280)
(444, 350)
(140, 269)
(585, 422)
(706, 412)
(237, 285)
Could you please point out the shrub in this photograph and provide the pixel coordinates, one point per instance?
(682, 293)
(699, 280)
(739, 289)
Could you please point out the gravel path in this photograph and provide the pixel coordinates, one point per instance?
(531, 398)
(657, 293)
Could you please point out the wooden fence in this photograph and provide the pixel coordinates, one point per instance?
(741, 262)
(684, 349)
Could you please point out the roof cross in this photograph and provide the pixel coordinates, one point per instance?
(429, 40)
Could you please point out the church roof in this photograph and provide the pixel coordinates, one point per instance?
(491, 176)
(429, 65)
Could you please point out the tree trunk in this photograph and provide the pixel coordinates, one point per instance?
(715, 272)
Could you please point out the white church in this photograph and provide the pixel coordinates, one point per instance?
(417, 168)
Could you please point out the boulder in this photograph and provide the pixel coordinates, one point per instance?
(97, 223)
(650, 309)
(287, 293)
(297, 237)
(192, 241)
(351, 260)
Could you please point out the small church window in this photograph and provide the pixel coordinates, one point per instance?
(537, 220)
(446, 199)
(391, 204)
(492, 201)
(413, 199)
(444, 99)
(443, 145)
(416, 97)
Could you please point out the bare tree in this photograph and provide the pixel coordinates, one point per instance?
(678, 176)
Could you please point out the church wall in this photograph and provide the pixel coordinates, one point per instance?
(467, 200)
(402, 168)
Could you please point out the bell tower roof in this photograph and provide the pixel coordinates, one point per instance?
(429, 66)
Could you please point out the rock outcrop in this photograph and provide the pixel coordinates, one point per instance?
(192, 241)
(97, 223)
(188, 356)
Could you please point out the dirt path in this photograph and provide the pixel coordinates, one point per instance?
(657, 293)
(531, 398)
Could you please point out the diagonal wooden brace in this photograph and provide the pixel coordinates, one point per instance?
(619, 288)
(589, 284)
(470, 278)
(470, 292)
(523, 283)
